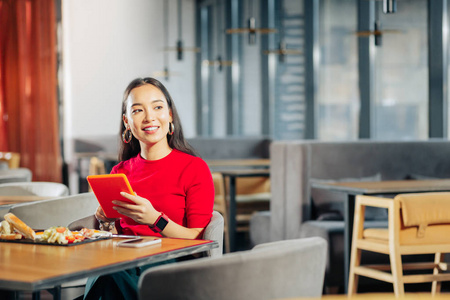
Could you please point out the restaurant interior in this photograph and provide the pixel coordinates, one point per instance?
(324, 124)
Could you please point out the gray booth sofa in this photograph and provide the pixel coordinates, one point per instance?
(297, 211)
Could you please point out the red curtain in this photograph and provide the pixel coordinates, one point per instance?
(28, 86)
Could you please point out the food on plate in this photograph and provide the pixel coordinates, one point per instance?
(11, 236)
(20, 226)
(12, 228)
(88, 232)
(60, 235)
(5, 227)
(7, 231)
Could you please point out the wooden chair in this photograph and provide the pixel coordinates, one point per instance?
(418, 224)
(96, 166)
(252, 194)
(220, 205)
(12, 158)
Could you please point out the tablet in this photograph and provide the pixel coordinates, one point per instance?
(107, 188)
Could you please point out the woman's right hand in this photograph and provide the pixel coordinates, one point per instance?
(100, 215)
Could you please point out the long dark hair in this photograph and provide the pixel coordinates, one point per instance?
(176, 140)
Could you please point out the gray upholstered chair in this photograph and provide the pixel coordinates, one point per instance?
(284, 269)
(214, 232)
(36, 188)
(86, 222)
(56, 212)
(15, 175)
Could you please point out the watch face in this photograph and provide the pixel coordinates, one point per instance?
(161, 224)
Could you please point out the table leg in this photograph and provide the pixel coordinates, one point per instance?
(349, 212)
(36, 295)
(232, 214)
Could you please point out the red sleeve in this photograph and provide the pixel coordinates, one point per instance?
(114, 170)
(199, 195)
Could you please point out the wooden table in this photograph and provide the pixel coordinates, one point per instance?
(375, 188)
(232, 175)
(27, 267)
(380, 296)
(4, 200)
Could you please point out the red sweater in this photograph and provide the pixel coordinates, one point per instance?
(180, 185)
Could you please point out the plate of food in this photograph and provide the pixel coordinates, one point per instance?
(14, 230)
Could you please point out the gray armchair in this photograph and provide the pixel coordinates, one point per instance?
(36, 188)
(56, 212)
(15, 175)
(284, 269)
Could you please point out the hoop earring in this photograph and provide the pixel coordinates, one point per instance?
(126, 139)
(171, 128)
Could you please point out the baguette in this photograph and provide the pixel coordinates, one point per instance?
(20, 226)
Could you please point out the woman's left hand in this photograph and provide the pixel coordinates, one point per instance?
(142, 211)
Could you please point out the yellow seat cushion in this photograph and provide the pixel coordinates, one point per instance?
(434, 234)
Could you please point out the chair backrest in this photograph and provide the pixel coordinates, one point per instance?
(285, 269)
(56, 212)
(219, 193)
(12, 158)
(86, 222)
(42, 189)
(214, 232)
(15, 175)
(252, 185)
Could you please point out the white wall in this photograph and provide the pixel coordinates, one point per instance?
(106, 44)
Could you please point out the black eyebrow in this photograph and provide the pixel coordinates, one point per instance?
(136, 104)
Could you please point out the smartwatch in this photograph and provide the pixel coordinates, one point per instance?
(160, 223)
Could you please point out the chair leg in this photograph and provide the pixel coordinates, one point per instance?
(227, 241)
(355, 261)
(355, 255)
(397, 274)
(436, 285)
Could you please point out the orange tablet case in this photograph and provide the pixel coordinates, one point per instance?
(107, 188)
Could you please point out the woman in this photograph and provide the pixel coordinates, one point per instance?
(174, 188)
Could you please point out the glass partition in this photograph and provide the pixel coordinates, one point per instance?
(337, 105)
(400, 109)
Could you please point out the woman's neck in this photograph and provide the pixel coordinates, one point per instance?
(156, 151)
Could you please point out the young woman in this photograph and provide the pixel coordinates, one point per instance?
(174, 187)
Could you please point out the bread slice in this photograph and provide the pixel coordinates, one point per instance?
(20, 226)
(12, 236)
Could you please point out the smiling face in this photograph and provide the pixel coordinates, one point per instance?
(148, 116)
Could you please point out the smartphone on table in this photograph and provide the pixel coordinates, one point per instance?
(138, 242)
